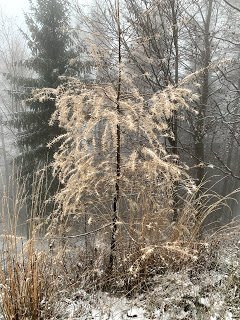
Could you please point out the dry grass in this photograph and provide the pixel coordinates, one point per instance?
(27, 275)
(27, 288)
(142, 252)
(34, 279)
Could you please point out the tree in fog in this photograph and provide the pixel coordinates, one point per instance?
(13, 53)
(50, 44)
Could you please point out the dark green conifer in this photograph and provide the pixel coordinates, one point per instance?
(50, 42)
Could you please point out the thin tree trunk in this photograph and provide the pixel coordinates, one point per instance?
(174, 120)
(175, 41)
(118, 147)
(6, 173)
(200, 125)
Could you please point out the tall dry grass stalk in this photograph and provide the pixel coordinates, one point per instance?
(26, 284)
(28, 271)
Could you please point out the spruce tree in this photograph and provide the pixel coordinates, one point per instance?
(50, 43)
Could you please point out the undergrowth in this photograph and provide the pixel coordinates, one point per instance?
(39, 275)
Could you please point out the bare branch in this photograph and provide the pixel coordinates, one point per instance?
(231, 5)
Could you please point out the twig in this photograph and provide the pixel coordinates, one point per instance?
(232, 6)
(82, 234)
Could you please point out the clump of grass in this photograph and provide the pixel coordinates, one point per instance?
(27, 273)
(26, 284)
(147, 247)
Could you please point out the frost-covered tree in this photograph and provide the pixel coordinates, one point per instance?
(113, 163)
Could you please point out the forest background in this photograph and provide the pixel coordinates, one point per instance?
(120, 147)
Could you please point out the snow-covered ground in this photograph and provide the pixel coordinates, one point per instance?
(209, 293)
(176, 298)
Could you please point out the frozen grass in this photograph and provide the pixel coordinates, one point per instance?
(207, 289)
(27, 274)
(65, 283)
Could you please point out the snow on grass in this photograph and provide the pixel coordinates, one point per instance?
(210, 292)
(206, 292)
(100, 306)
(174, 296)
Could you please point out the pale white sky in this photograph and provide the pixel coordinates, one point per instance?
(14, 7)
